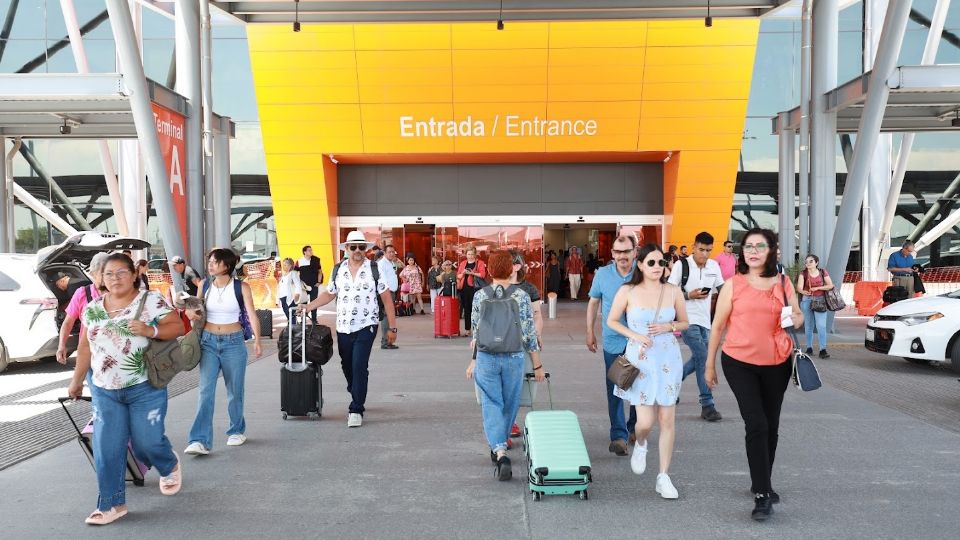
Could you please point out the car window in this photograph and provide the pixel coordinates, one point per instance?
(7, 283)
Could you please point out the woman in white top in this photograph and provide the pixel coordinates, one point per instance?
(228, 305)
(289, 289)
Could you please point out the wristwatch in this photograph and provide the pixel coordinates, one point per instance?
(394, 330)
(673, 327)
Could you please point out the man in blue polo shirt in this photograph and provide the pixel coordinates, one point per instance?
(900, 265)
(606, 283)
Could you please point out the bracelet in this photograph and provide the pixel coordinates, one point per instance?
(156, 332)
(538, 367)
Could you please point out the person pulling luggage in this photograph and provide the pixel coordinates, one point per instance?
(363, 299)
(504, 332)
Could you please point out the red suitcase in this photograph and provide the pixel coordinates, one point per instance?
(446, 317)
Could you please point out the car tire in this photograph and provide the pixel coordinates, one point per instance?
(955, 355)
(4, 361)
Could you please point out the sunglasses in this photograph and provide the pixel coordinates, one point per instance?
(355, 247)
(661, 262)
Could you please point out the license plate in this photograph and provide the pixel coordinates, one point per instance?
(871, 335)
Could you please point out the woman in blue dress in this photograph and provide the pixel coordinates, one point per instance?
(655, 310)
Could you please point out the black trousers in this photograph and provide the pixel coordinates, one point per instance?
(759, 391)
(312, 295)
(466, 304)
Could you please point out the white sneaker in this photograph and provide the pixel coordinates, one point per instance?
(354, 420)
(196, 449)
(236, 439)
(638, 461)
(665, 487)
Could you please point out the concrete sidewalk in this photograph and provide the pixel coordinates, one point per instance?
(419, 468)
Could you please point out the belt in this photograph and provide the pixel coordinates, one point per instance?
(902, 275)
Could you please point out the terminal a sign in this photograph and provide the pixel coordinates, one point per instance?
(170, 131)
(510, 125)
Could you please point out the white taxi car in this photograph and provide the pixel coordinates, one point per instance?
(923, 329)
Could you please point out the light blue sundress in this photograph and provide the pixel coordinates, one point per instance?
(661, 370)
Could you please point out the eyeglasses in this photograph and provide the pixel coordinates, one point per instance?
(623, 251)
(355, 247)
(727, 246)
(756, 248)
(119, 274)
(661, 262)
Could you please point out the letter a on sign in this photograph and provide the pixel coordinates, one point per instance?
(176, 179)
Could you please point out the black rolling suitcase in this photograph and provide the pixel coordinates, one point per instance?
(265, 316)
(135, 469)
(301, 383)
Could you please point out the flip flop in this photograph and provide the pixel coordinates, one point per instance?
(100, 517)
(171, 484)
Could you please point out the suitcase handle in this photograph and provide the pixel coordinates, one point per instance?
(303, 339)
(532, 378)
(63, 403)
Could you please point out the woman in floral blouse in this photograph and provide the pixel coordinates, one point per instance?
(412, 275)
(126, 407)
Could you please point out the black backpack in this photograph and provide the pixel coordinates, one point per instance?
(498, 330)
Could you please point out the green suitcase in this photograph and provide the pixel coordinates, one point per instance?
(557, 459)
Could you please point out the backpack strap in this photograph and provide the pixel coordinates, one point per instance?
(238, 291)
(375, 272)
(86, 291)
(143, 302)
(684, 272)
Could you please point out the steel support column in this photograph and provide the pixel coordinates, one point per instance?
(220, 201)
(187, 25)
(787, 181)
(906, 144)
(206, 82)
(941, 228)
(804, 187)
(891, 39)
(823, 125)
(5, 194)
(133, 189)
(136, 81)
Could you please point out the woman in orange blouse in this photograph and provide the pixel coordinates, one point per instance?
(756, 353)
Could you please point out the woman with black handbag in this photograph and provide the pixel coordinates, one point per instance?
(655, 310)
(813, 284)
(753, 308)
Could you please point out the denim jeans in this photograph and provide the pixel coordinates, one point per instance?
(813, 319)
(355, 361)
(227, 353)
(698, 338)
(132, 414)
(312, 295)
(291, 319)
(499, 378)
(619, 428)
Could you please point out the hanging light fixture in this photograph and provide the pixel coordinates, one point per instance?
(708, 21)
(296, 16)
(500, 17)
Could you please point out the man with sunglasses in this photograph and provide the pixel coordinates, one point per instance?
(606, 283)
(698, 276)
(727, 261)
(356, 287)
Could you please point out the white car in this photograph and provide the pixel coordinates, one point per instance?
(29, 327)
(925, 329)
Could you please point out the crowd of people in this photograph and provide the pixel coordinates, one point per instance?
(645, 298)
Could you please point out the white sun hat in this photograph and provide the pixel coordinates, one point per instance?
(356, 237)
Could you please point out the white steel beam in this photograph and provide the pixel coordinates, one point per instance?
(823, 125)
(187, 26)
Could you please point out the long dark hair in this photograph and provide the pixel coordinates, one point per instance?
(770, 265)
(641, 255)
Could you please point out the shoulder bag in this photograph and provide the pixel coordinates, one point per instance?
(832, 297)
(165, 358)
(622, 372)
(805, 374)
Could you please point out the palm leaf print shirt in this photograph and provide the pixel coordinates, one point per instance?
(117, 357)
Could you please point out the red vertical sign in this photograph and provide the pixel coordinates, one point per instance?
(171, 132)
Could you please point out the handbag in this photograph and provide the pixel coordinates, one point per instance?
(622, 372)
(834, 301)
(167, 357)
(818, 303)
(805, 374)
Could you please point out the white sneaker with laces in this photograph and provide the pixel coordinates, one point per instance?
(196, 449)
(665, 487)
(638, 461)
(236, 439)
(354, 420)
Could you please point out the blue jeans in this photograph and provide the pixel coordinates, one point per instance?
(698, 338)
(355, 361)
(500, 378)
(286, 310)
(129, 414)
(227, 353)
(619, 428)
(813, 319)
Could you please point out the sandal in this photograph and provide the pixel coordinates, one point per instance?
(100, 517)
(171, 484)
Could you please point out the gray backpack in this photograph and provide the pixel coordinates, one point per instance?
(499, 326)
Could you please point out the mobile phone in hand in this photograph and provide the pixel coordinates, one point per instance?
(705, 290)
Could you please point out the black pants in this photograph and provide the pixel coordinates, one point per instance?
(466, 303)
(286, 309)
(759, 392)
(312, 294)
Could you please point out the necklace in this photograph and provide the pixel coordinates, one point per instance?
(220, 291)
(118, 310)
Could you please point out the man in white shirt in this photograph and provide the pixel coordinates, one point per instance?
(356, 289)
(699, 277)
(388, 269)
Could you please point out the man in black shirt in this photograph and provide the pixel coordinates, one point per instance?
(191, 279)
(311, 274)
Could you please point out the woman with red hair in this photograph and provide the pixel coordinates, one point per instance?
(497, 367)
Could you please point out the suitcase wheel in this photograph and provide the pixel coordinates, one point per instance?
(284, 416)
(138, 482)
(583, 495)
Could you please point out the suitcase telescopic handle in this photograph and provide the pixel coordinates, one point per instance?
(63, 403)
(532, 378)
(303, 339)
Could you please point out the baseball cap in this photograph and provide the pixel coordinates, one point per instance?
(176, 259)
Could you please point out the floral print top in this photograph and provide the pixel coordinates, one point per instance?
(526, 314)
(116, 354)
(414, 276)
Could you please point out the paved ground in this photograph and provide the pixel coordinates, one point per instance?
(863, 457)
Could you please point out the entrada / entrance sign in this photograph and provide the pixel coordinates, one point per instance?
(514, 126)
